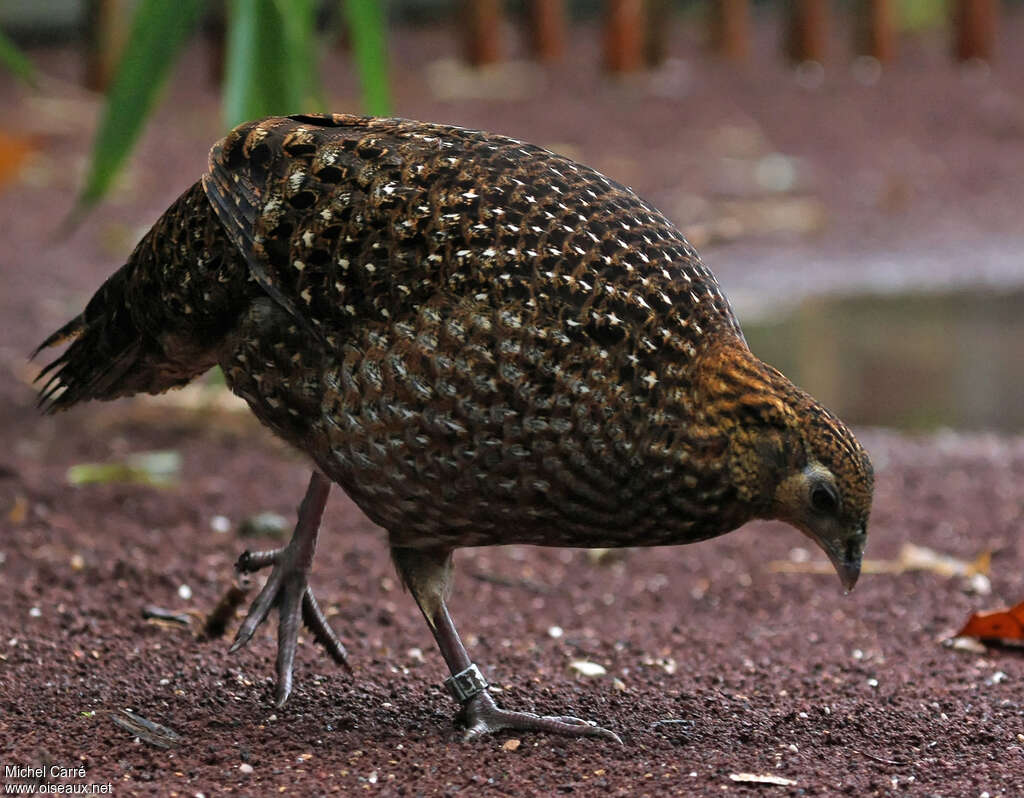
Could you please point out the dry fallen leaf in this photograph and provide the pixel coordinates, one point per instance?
(147, 730)
(145, 468)
(19, 510)
(585, 668)
(754, 778)
(15, 150)
(996, 625)
(911, 558)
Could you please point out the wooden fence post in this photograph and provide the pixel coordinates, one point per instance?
(875, 35)
(625, 35)
(480, 22)
(107, 24)
(730, 29)
(659, 19)
(974, 23)
(808, 30)
(215, 33)
(547, 22)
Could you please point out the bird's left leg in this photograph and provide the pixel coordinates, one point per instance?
(288, 589)
(427, 573)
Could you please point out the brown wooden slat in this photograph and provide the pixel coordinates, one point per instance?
(730, 28)
(107, 24)
(547, 21)
(625, 35)
(215, 34)
(974, 24)
(480, 23)
(808, 30)
(659, 18)
(876, 35)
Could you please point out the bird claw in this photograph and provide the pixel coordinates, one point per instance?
(287, 589)
(483, 716)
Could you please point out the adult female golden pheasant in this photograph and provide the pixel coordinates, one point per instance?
(482, 343)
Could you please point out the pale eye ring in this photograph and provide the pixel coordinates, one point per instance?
(824, 499)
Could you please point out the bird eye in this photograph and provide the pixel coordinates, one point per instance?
(824, 499)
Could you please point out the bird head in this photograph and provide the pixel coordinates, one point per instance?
(829, 500)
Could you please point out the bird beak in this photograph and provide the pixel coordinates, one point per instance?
(848, 569)
(846, 559)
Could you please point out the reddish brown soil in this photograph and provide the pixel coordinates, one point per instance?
(717, 663)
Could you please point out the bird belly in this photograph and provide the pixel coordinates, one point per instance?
(478, 441)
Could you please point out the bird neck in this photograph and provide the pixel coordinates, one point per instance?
(757, 412)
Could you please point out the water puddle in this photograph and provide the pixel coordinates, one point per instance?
(913, 361)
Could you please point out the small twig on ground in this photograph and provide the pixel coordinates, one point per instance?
(880, 759)
(146, 730)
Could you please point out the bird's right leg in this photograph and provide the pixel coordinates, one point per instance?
(288, 589)
(428, 575)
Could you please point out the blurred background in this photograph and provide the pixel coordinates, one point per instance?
(818, 154)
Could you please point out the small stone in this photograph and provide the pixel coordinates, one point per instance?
(872, 682)
(245, 768)
(997, 677)
(799, 554)
(220, 523)
(555, 631)
(979, 584)
(511, 745)
(184, 592)
(415, 654)
(619, 685)
(35, 612)
(77, 562)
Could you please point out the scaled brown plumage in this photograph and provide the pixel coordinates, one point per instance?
(481, 342)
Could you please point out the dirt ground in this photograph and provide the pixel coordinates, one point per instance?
(729, 657)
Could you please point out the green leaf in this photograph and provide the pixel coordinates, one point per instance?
(367, 24)
(12, 58)
(271, 65)
(159, 30)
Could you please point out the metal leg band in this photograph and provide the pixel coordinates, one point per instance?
(466, 684)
